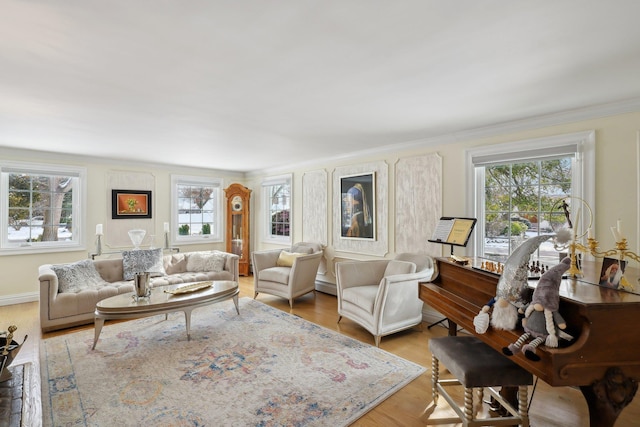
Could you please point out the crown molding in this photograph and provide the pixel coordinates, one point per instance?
(562, 117)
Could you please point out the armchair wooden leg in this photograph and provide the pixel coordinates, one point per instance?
(291, 303)
(255, 295)
(377, 339)
(339, 319)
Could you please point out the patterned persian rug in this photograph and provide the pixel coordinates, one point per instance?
(264, 367)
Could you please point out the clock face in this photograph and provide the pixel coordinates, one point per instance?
(236, 203)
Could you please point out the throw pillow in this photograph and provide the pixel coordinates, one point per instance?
(286, 259)
(142, 261)
(205, 261)
(177, 264)
(399, 267)
(78, 276)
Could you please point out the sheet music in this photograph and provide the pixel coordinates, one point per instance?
(441, 233)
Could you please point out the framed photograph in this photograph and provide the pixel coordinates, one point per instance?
(130, 204)
(612, 272)
(357, 210)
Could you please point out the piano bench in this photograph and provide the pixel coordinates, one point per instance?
(475, 365)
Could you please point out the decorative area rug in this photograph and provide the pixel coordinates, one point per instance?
(264, 367)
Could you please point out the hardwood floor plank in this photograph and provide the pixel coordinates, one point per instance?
(552, 407)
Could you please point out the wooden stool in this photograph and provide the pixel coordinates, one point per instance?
(476, 365)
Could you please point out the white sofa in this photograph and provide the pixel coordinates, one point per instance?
(63, 308)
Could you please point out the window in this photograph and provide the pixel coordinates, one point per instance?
(43, 207)
(277, 208)
(196, 209)
(516, 191)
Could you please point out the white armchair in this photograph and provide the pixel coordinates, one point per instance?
(382, 295)
(287, 274)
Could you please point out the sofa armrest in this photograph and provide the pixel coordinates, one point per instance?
(48, 289)
(232, 264)
(305, 269)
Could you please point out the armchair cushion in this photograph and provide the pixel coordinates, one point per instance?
(275, 274)
(286, 259)
(361, 296)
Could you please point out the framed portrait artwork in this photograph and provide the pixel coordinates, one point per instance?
(357, 210)
(611, 272)
(130, 204)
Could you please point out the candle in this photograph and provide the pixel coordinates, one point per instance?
(619, 227)
(166, 227)
(590, 233)
(576, 223)
(615, 233)
(98, 229)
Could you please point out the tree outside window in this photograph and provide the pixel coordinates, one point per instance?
(42, 206)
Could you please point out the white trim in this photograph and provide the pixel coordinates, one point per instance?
(79, 207)
(217, 234)
(583, 170)
(513, 126)
(266, 184)
(19, 298)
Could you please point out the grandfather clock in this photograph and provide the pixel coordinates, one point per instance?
(238, 224)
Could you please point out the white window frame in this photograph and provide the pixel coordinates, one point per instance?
(267, 183)
(583, 170)
(217, 234)
(79, 207)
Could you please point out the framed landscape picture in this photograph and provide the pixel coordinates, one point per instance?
(357, 214)
(130, 204)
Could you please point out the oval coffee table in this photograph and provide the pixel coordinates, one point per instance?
(125, 306)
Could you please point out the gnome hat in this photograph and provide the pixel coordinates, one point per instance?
(547, 293)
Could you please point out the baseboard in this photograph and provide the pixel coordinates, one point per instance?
(327, 288)
(19, 298)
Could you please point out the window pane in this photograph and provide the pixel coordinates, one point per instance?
(40, 208)
(518, 202)
(196, 216)
(278, 199)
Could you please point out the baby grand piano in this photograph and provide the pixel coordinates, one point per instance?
(602, 359)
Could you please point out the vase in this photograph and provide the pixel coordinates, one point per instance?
(136, 237)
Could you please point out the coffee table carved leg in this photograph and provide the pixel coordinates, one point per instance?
(235, 301)
(187, 321)
(607, 397)
(99, 323)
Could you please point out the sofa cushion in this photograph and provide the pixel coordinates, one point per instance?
(286, 259)
(141, 261)
(78, 276)
(205, 261)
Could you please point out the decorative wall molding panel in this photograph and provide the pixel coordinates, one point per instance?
(379, 246)
(115, 232)
(418, 203)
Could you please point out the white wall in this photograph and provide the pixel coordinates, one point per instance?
(616, 190)
(616, 177)
(19, 278)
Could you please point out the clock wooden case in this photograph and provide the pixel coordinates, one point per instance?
(238, 224)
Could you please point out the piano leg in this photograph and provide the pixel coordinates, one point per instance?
(607, 397)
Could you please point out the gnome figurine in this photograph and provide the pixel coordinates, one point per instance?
(542, 321)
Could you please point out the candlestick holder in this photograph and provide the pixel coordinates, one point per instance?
(166, 240)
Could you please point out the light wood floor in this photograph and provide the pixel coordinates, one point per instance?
(561, 406)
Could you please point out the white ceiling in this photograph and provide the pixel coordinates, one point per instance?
(254, 84)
